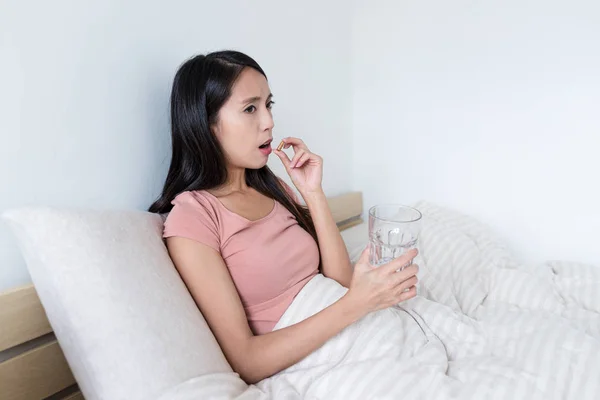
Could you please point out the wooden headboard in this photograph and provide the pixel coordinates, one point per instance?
(32, 365)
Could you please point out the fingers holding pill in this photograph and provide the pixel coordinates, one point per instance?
(295, 143)
(305, 168)
(300, 150)
(283, 157)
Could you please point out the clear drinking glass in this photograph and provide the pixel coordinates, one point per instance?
(393, 230)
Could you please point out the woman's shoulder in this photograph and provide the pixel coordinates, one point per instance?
(194, 198)
(192, 203)
(194, 217)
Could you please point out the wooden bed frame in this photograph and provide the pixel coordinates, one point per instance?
(32, 365)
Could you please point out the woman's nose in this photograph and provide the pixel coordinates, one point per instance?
(267, 121)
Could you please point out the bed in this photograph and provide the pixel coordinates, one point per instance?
(484, 325)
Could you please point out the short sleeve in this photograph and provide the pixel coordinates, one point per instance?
(193, 218)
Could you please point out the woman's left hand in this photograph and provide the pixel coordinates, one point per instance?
(305, 168)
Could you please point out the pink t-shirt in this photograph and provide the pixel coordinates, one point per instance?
(269, 259)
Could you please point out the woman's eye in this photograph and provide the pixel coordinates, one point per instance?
(250, 109)
(270, 104)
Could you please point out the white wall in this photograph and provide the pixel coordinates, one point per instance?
(487, 107)
(84, 98)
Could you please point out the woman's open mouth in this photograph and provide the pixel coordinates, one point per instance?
(265, 148)
(265, 144)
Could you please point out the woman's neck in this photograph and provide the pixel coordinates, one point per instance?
(236, 182)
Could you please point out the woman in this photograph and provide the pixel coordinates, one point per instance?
(240, 240)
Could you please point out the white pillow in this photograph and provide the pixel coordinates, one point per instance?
(123, 317)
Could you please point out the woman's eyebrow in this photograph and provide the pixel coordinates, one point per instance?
(252, 99)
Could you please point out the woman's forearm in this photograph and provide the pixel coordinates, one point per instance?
(270, 353)
(334, 256)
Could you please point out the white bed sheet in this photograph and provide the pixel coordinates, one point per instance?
(482, 327)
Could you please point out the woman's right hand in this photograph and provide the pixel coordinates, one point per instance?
(374, 288)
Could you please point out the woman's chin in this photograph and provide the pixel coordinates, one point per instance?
(259, 166)
(256, 164)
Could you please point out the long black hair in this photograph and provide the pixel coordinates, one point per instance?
(200, 88)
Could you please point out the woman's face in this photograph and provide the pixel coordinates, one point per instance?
(245, 122)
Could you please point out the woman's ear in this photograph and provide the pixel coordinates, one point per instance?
(214, 124)
(216, 131)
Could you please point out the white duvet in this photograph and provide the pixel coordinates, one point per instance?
(482, 327)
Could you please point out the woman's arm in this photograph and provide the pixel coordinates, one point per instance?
(334, 255)
(306, 170)
(257, 357)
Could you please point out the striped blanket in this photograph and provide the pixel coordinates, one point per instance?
(482, 327)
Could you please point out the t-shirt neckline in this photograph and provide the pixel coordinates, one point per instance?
(250, 221)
